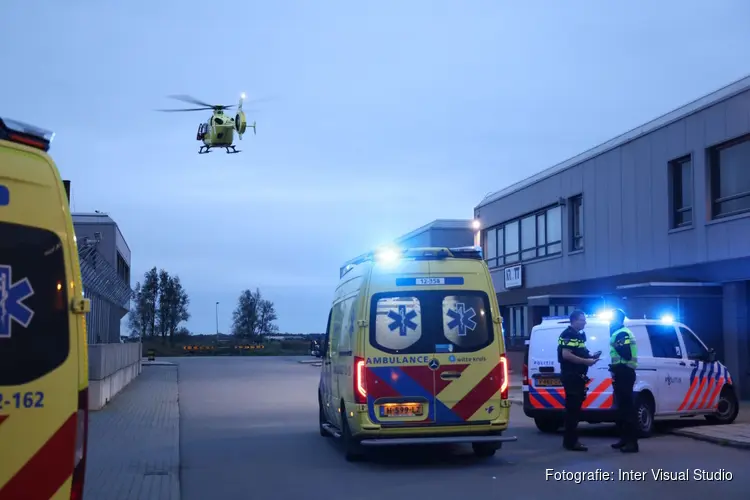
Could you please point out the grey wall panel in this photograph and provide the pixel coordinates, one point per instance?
(626, 204)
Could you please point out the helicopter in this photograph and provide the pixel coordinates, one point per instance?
(218, 131)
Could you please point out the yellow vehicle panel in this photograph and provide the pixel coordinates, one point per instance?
(427, 337)
(43, 370)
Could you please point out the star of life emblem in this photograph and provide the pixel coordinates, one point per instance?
(12, 307)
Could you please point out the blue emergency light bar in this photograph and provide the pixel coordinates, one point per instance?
(23, 133)
(420, 253)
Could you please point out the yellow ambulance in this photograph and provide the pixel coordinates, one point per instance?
(414, 353)
(43, 353)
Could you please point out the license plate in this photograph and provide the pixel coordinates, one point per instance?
(404, 410)
(548, 382)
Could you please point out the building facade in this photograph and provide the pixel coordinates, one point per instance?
(656, 221)
(105, 271)
(449, 233)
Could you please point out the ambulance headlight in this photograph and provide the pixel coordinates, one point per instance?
(387, 256)
(667, 319)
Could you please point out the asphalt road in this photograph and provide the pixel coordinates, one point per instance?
(249, 431)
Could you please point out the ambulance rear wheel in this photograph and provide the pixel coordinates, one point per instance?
(727, 409)
(352, 449)
(485, 450)
(548, 425)
(322, 420)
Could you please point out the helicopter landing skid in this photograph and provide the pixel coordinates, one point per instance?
(204, 150)
(232, 150)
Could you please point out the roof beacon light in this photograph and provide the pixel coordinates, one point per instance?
(23, 133)
(605, 315)
(476, 224)
(387, 255)
(667, 319)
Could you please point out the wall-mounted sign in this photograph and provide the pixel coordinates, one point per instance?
(513, 276)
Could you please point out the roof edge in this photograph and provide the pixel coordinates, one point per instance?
(708, 100)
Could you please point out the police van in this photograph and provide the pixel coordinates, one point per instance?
(43, 352)
(414, 353)
(677, 375)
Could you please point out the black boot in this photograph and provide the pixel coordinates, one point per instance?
(630, 448)
(575, 447)
(619, 445)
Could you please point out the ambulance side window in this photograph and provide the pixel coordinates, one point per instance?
(348, 320)
(664, 341)
(465, 322)
(327, 337)
(398, 325)
(337, 318)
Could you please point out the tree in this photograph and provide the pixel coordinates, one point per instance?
(173, 302)
(142, 317)
(159, 305)
(254, 316)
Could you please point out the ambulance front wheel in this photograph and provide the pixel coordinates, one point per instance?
(485, 450)
(727, 409)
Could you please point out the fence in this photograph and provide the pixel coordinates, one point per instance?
(109, 294)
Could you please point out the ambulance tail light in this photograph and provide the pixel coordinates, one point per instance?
(360, 385)
(82, 429)
(504, 377)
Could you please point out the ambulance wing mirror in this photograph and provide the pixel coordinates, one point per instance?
(80, 306)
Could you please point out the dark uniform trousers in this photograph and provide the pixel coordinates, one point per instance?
(623, 381)
(575, 393)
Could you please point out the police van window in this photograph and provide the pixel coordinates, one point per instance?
(465, 322)
(664, 341)
(398, 325)
(693, 347)
(34, 335)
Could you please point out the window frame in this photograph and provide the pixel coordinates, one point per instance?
(575, 205)
(685, 333)
(502, 258)
(713, 157)
(677, 206)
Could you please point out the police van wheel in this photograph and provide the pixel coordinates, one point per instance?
(644, 407)
(322, 419)
(485, 450)
(727, 409)
(548, 425)
(352, 449)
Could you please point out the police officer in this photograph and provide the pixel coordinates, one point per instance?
(624, 354)
(574, 361)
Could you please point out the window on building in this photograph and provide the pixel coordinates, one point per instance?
(515, 325)
(532, 236)
(681, 192)
(729, 166)
(576, 223)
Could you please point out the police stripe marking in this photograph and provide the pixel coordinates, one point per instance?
(693, 384)
(708, 397)
(540, 402)
(711, 380)
(598, 391)
(701, 385)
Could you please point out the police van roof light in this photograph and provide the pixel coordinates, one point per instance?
(667, 319)
(605, 315)
(23, 133)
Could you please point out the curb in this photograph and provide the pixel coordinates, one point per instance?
(731, 443)
(308, 361)
(516, 401)
(157, 363)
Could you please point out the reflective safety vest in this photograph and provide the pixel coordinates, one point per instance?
(628, 341)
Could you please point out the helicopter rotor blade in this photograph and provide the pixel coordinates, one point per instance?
(191, 100)
(187, 109)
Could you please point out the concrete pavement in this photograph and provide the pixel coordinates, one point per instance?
(249, 430)
(133, 447)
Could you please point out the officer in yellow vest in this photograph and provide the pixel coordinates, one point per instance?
(624, 354)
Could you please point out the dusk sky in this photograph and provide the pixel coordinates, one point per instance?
(384, 116)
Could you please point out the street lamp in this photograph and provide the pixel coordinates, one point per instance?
(217, 321)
